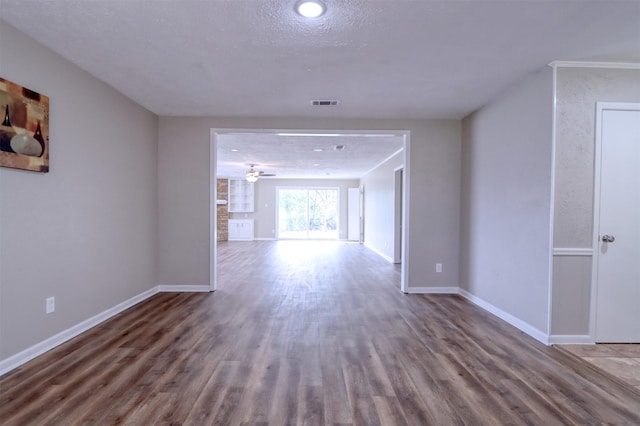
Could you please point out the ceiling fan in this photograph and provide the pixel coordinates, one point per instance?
(252, 175)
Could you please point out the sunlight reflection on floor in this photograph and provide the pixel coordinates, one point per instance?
(300, 250)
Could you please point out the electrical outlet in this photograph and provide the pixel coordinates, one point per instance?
(438, 267)
(51, 305)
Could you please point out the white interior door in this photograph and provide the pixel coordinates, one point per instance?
(617, 225)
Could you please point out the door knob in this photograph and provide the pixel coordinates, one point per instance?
(608, 238)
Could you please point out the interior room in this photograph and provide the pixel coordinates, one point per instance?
(389, 212)
(260, 174)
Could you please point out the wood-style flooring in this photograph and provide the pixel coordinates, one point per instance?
(621, 360)
(314, 334)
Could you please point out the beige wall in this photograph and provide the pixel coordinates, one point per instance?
(84, 233)
(184, 187)
(379, 208)
(126, 205)
(577, 91)
(506, 203)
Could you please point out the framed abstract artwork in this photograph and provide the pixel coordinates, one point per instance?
(24, 129)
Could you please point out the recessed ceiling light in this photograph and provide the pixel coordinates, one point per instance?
(310, 8)
(318, 149)
(234, 150)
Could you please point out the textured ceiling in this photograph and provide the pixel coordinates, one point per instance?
(304, 156)
(379, 58)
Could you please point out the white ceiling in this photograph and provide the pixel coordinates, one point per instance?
(380, 58)
(300, 155)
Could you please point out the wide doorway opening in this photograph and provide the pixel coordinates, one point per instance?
(265, 159)
(307, 213)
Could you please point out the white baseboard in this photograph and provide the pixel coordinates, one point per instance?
(265, 239)
(432, 290)
(183, 288)
(28, 354)
(384, 256)
(569, 339)
(516, 322)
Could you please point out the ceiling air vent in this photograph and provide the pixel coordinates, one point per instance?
(338, 147)
(325, 103)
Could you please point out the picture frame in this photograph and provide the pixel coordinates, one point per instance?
(24, 128)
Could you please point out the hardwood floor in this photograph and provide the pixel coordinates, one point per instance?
(302, 334)
(621, 360)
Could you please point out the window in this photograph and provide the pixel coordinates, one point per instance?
(308, 213)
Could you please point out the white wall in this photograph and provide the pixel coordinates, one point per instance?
(506, 181)
(184, 186)
(84, 233)
(379, 207)
(264, 215)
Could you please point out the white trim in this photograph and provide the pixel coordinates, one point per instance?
(406, 194)
(173, 288)
(397, 219)
(589, 64)
(382, 162)
(243, 131)
(213, 210)
(265, 239)
(516, 322)
(552, 200)
(432, 290)
(569, 339)
(379, 253)
(46, 345)
(572, 251)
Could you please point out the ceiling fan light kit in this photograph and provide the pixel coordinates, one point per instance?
(251, 178)
(252, 174)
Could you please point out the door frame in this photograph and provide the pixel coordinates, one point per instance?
(397, 214)
(600, 108)
(213, 193)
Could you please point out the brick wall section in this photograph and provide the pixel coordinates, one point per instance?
(223, 210)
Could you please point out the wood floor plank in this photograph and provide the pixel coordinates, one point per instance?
(309, 333)
(212, 396)
(336, 400)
